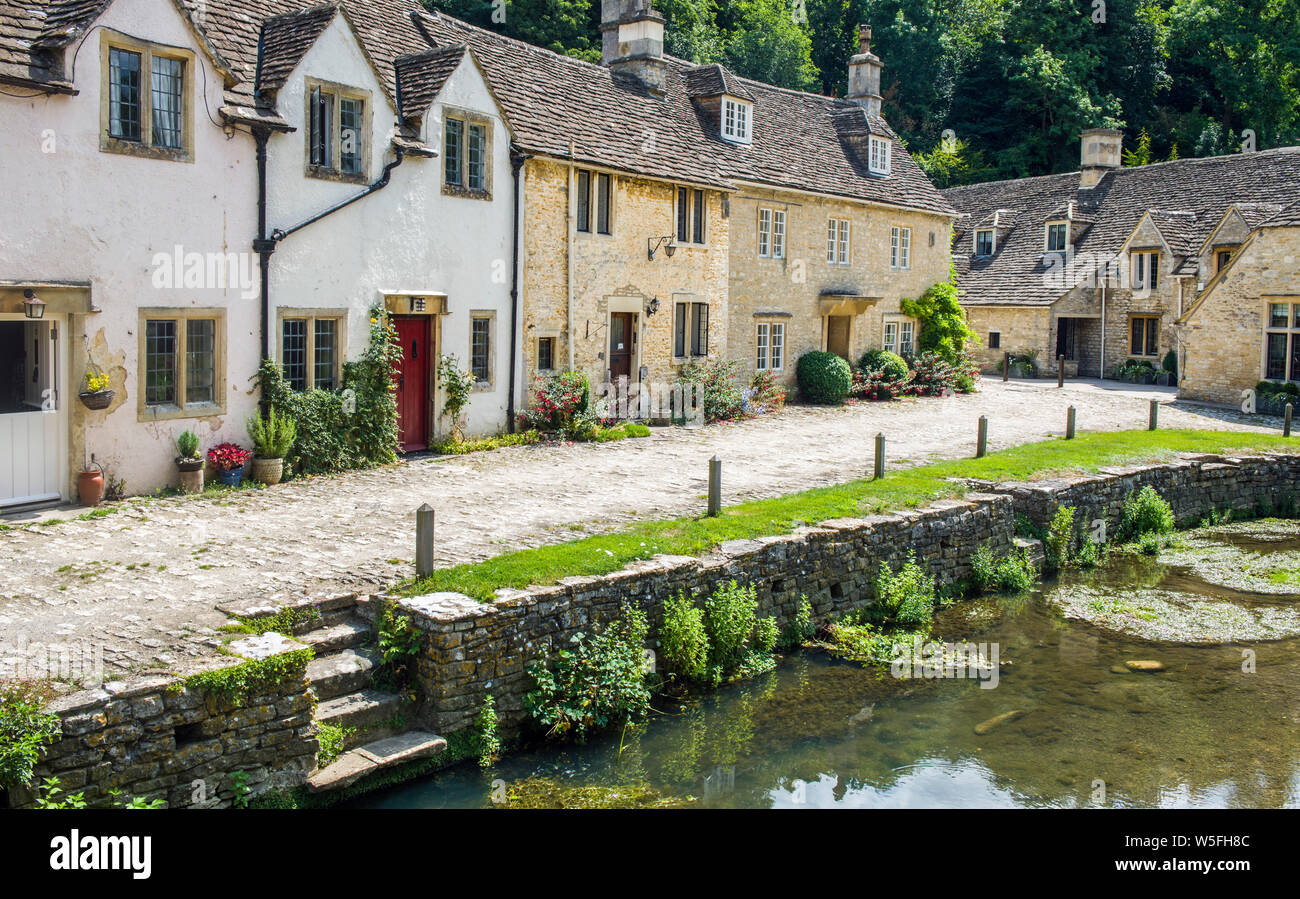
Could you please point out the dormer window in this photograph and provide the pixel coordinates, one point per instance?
(1057, 235)
(145, 103)
(878, 157)
(737, 120)
(984, 242)
(1146, 270)
(336, 142)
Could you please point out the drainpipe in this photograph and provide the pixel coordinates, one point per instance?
(1101, 365)
(263, 245)
(516, 165)
(570, 225)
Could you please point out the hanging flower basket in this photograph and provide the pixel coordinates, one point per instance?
(96, 399)
(95, 393)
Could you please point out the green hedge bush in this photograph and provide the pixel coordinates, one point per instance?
(891, 365)
(824, 378)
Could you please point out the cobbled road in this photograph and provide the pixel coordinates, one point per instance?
(140, 585)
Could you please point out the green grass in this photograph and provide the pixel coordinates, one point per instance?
(910, 488)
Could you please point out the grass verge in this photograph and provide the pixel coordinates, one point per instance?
(909, 488)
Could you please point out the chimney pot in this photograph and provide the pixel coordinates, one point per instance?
(864, 74)
(1100, 150)
(632, 41)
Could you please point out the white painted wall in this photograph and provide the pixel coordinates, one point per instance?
(77, 213)
(407, 236)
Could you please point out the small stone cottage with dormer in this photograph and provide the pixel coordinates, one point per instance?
(1100, 266)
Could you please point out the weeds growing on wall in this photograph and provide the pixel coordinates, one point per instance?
(485, 728)
(721, 640)
(254, 677)
(1012, 573)
(596, 682)
(353, 427)
(1144, 512)
(400, 645)
(25, 731)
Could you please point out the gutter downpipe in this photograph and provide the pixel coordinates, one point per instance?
(517, 165)
(570, 223)
(1101, 364)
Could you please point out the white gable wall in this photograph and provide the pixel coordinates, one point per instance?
(408, 236)
(76, 213)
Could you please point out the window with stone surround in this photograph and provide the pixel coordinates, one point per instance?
(837, 241)
(466, 154)
(1146, 269)
(690, 215)
(182, 363)
(146, 108)
(1282, 341)
(771, 233)
(595, 194)
(690, 329)
(1055, 239)
(1144, 335)
(337, 147)
(900, 248)
(771, 346)
(1222, 256)
(545, 353)
(311, 347)
(480, 347)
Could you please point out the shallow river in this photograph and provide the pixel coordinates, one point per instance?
(822, 733)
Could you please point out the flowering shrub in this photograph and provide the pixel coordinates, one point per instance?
(228, 456)
(876, 385)
(723, 400)
(559, 400)
(763, 395)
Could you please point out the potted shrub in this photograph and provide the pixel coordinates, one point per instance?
(229, 459)
(94, 392)
(272, 437)
(190, 462)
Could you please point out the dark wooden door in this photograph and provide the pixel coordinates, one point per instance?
(837, 335)
(413, 382)
(622, 344)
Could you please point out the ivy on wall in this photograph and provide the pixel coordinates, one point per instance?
(353, 427)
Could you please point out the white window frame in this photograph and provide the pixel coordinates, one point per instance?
(992, 242)
(838, 236)
(900, 247)
(1064, 227)
(771, 233)
(879, 152)
(770, 342)
(737, 120)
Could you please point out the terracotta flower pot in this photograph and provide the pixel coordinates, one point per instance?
(90, 487)
(268, 471)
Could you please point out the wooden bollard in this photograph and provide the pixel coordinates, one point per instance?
(1006, 366)
(880, 456)
(1286, 421)
(1069, 423)
(1060, 371)
(982, 440)
(424, 540)
(1154, 416)
(715, 487)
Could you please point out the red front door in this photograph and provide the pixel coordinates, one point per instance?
(413, 382)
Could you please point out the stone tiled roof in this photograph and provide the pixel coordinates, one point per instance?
(552, 101)
(714, 80)
(1289, 217)
(286, 40)
(1188, 195)
(421, 75)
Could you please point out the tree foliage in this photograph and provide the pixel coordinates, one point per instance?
(1015, 81)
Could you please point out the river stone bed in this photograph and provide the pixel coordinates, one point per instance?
(1250, 557)
(1230, 583)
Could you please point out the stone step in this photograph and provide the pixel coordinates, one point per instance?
(345, 635)
(359, 709)
(341, 672)
(376, 756)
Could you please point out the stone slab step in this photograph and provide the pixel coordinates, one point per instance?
(345, 635)
(365, 707)
(376, 756)
(341, 672)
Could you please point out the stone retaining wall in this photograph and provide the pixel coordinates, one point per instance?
(151, 737)
(476, 649)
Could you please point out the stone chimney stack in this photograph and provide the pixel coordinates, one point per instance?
(632, 41)
(1099, 152)
(864, 74)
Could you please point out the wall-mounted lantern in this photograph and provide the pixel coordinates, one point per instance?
(33, 306)
(654, 243)
(652, 307)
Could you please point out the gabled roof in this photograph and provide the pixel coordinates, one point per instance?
(553, 102)
(286, 40)
(421, 75)
(1288, 217)
(713, 81)
(1194, 188)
